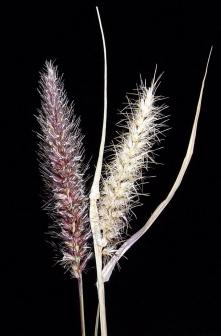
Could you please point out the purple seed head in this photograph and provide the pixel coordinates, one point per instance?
(61, 155)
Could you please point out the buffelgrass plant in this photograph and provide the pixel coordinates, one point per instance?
(104, 214)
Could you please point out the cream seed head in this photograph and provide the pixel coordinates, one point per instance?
(123, 176)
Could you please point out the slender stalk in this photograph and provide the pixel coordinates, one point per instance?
(94, 197)
(98, 258)
(81, 301)
(97, 322)
(101, 296)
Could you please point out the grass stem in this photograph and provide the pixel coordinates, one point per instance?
(81, 301)
(94, 197)
(97, 322)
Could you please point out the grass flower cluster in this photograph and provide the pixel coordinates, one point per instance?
(123, 176)
(61, 155)
(103, 216)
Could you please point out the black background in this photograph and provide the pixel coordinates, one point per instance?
(170, 283)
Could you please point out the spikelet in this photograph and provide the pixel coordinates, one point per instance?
(61, 153)
(123, 175)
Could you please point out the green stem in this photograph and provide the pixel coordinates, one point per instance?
(81, 301)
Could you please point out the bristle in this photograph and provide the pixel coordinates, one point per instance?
(61, 155)
(123, 175)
